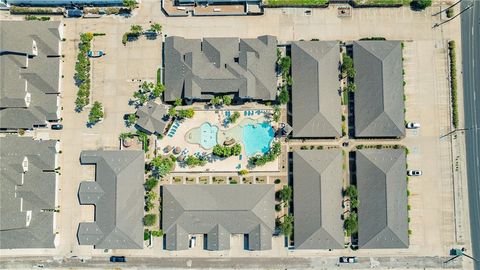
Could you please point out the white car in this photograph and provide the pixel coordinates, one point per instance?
(193, 242)
(413, 125)
(414, 172)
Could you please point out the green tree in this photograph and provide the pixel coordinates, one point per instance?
(150, 184)
(156, 27)
(158, 90)
(351, 224)
(227, 100)
(283, 97)
(351, 191)
(351, 87)
(177, 102)
(286, 226)
(193, 161)
(96, 113)
(347, 66)
(276, 113)
(149, 219)
(162, 165)
(172, 112)
(132, 119)
(188, 113)
(131, 4)
(286, 194)
(216, 101)
(285, 64)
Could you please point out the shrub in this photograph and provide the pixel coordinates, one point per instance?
(149, 219)
(158, 233)
(450, 12)
(226, 151)
(277, 181)
(234, 117)
(286, 226)
(271, 155)
(146, 234)
(150, 184)
(21, 131)
(243, 172)
(193, 161)
(187, 113)
(347, 66)
(420, 4)
(278, 207)
(351, 224)
(283, 96)
(285, 194)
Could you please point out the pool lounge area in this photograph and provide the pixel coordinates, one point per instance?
(201, 133)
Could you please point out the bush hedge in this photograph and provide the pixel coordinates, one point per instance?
(82, 72)
(453, 82)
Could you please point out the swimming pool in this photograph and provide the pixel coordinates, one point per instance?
(257, 138)
(208, 135)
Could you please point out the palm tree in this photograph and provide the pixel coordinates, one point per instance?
(156, 27)
(136, 29)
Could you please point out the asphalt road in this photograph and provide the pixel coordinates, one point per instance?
(231, 263)
(471, 86)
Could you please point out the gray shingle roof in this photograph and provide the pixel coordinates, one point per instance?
(315, 90)
(317, 199)
(198, 70)
(24, 195)
(153, 117)
(218, 211)
(28, 74)
(117, 195)
(382, 195)
(379, 105)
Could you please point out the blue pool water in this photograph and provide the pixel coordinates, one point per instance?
(208, 135)
(257, 138)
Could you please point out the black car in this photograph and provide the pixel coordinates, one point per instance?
(118, 259)
(57, 126)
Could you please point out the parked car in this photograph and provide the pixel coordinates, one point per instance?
(414, 172)
(57, 126)
(118, 259)
(346, 259)
(413, 125)
(73, 13)
(95, 54)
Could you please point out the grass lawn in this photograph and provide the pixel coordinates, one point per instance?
(297, 2)
(345, 98)
(383, 2)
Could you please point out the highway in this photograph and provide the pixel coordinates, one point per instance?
(471, 86)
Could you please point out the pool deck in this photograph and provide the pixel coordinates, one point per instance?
(217, 165)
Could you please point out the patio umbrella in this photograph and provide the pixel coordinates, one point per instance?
(181, 158)
(127, 142)
(177, 150)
